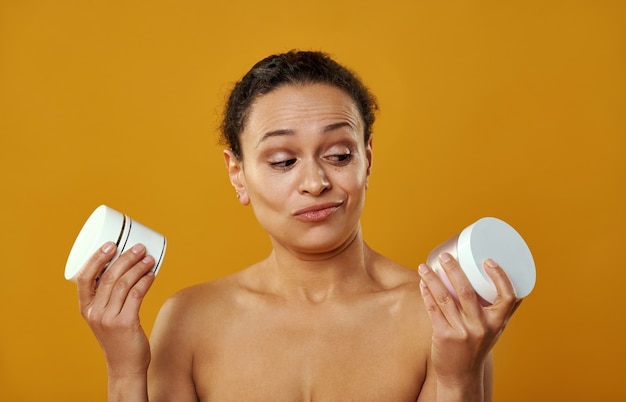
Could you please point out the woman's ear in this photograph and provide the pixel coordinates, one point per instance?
(368, 156)
(236, 175)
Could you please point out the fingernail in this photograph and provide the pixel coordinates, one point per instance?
(491, 263)
(138, 249)
(422, 269)
(147, 259)
(445, 257)
(108, 246)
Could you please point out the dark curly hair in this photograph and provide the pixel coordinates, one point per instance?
(294, 67)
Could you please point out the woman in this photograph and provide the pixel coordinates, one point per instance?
(323, 317)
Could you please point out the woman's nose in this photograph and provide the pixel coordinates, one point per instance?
(314, 180)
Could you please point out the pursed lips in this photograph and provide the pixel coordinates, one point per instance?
(317, 212)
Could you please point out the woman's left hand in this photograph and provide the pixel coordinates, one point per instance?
(464, 331)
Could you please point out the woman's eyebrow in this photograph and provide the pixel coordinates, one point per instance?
(287, 131)
(337, 126)
(274, 133)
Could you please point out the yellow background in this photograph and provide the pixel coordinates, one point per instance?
(514, 109)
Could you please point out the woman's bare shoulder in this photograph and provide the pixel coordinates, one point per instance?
(391, 274)
(204, 298)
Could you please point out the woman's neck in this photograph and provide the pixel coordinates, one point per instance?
(319, 277)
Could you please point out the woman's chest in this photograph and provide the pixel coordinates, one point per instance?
(313, 358)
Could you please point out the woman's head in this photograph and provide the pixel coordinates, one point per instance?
(292, 68)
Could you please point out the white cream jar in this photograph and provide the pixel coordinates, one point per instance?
(106, 224)
(488, 238)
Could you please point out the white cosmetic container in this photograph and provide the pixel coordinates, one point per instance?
(488, 238)
(106, 224)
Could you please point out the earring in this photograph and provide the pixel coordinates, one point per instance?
(238, 194)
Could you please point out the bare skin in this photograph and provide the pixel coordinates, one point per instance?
(323, 317)
(254, 343)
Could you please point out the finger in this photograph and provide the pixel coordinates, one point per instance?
(437, 319)
(86, 279)
(438, 297)
(126, 284)
(506, 300)
(108, 280)
(466, 295)
(516, 306)
(136, 295)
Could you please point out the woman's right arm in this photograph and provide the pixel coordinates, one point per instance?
(109, 302)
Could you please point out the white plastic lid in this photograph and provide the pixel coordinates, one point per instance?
(104, 224)
(495, 239)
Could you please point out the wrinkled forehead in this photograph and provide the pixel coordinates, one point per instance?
(293, 106)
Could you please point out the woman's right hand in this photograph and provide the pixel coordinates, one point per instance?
(110, 303)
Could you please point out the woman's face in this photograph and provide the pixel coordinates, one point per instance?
(304, 167)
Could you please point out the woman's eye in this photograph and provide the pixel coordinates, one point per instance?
(340, 158)
(283, 164)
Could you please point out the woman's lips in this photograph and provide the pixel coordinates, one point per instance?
(317, 213)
